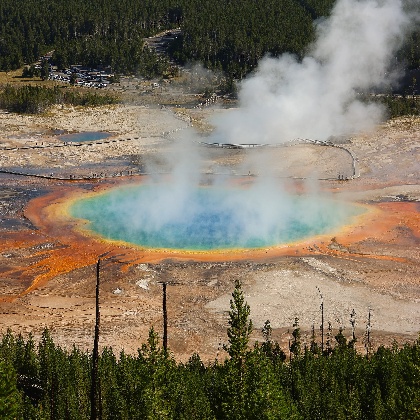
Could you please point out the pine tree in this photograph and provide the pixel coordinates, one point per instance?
(9, 395)
(233, 388)
(240, 326)
(271, 348)
(159, 364)
(295, 347)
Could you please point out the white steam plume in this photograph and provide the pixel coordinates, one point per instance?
(286, 99)
(316, 98)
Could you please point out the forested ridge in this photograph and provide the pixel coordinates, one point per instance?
(228, 35)
(323, 380)
(87, 32)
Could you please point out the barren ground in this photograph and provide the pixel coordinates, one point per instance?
(47, 269)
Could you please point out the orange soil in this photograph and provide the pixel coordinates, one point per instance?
(49, 214)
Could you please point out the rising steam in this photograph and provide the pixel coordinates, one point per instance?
(286, 99)
(317, 97)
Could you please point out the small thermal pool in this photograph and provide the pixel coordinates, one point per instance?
(85, 136)
(209, 218)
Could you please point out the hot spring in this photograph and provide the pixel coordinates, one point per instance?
(210, 218)
(85, 136)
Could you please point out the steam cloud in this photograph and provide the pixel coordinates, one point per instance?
(317, 98)
(285, 99)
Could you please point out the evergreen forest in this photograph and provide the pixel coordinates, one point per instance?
(231, 36)
(317, 381)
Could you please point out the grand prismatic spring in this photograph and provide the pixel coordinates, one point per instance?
(209, 218)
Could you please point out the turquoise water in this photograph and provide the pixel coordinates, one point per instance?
(209, 218)
(85, 136)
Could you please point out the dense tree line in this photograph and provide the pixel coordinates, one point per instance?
(228, 35)
(398, 105)
(233, 36)
(43, 381)
(85, 32)
(33, 99)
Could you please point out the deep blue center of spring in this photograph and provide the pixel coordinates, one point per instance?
(209, 218)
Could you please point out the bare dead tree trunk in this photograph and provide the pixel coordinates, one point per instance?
(165, 318)
(322, 320)
(164, 283)
(353, 326)
(95, 412)
(368, 344)
(322, 327)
